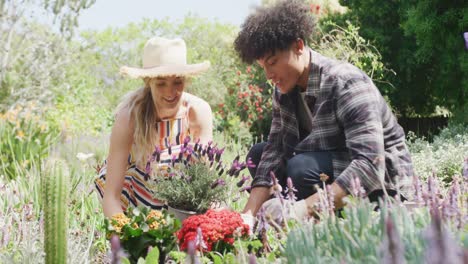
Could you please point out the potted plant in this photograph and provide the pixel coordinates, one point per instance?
(195, 179)
(141, 228)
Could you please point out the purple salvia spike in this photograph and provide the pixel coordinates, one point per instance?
(392, 246)
(252, 258)
(262, 223)
(192, 252)
(199, 242)
(291, 190)
(210, 142)
(173, 160)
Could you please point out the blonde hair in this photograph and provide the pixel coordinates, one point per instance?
(143, 113)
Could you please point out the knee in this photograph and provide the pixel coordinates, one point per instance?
(255, 152)
(295, 169)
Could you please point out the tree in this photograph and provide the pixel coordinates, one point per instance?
(422, 42)
(27, 46)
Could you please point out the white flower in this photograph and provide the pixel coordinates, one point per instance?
(84, 156)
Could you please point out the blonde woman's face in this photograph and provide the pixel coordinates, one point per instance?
(166, 92)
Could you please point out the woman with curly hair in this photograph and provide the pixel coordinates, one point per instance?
(158, 115)
(330, 122)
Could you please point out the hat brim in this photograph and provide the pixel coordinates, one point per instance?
(168, 70)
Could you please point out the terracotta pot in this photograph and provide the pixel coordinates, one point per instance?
(180, 214)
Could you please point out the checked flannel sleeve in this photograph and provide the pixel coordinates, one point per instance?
(273, 152)
(358, 105)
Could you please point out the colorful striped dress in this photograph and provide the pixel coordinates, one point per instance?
(135, 191)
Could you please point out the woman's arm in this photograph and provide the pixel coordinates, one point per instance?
(200, 119)
(121, 141)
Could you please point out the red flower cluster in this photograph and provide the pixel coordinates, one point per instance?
(216, 226)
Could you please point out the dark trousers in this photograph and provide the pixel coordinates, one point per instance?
(304, 169)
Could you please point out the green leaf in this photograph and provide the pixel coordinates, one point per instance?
(153, 256)
(124, 260)
(216, 258)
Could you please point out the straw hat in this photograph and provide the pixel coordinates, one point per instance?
(165, 57)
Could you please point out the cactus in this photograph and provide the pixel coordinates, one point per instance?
(55, 193)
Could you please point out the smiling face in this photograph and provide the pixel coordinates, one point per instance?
(285, 68)
(166, 93)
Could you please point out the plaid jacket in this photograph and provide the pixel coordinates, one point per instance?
(350, 119)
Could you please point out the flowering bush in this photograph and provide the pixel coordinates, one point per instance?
(215, 230)
(195, 179)
(141, 228)
(247, 104)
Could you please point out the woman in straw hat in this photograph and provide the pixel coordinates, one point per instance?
(159, 114)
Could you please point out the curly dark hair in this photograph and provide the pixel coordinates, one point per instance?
(273, 28)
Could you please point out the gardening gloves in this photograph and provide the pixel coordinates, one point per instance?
(249, 220)
(276, 210)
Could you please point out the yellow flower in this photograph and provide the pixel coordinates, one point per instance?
(154, 214)
(154, 225)
(20, 134)
(119, 220)
(155, 217)
(2, 116)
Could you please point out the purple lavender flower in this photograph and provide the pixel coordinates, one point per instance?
(186, 141)
(218, 182)
(250, 163)
(189, 155)
(242, 181)
(147, 170)
(173, 160)
(156, 154)
(234, 167)
(181, 153)
(218, 154)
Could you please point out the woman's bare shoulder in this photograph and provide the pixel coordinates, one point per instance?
(197, 103)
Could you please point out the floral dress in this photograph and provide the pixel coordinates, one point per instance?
(135, 191)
